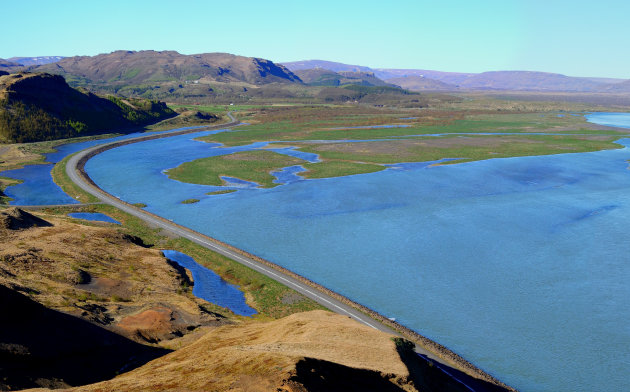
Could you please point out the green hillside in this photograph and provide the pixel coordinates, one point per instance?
(36, 107)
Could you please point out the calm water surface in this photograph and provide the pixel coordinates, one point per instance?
(93, 216)
(520, 264)
(210, 286)
(38, 187)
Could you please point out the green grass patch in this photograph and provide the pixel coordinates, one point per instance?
(60, 177)
(468, 148)
(249, 166)
(132, 73)
(336, 168)
(4, 183)
(190, 201)
(316, 124)
(221, 192)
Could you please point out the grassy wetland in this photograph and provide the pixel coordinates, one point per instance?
(357, 139)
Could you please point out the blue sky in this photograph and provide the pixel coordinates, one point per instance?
(576, 38)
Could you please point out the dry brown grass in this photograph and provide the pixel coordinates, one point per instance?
(101, 275)
(263, 357)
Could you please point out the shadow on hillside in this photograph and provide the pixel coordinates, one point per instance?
(316, 375)
(427, 375)
(40, 347)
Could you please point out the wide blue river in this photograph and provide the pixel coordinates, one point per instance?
(520, 265)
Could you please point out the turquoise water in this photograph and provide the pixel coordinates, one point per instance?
(210, 286)
(38, 187)
(612, 119)
(520, 265)
(517, 264)
(93, 216)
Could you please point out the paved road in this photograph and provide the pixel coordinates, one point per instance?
(321, 298)
(316, 295)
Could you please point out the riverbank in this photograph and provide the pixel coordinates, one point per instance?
(20, 155)
(438, 351)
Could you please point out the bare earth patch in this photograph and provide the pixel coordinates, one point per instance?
(98, 274)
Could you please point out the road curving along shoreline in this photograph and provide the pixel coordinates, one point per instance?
(75, 169)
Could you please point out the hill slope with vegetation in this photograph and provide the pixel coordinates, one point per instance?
(175, 77)
(149, 66)
(36, 107)
(324, 77)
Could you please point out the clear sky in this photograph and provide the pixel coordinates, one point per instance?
(576, 38)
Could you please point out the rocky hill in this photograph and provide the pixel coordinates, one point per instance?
(323, 64)
(35, 107)
(324, 77)
(420, 83)
(148, 66)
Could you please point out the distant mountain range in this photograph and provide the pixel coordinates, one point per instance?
(8, 66)
(28, 61)
(137, 71)
(419, 79)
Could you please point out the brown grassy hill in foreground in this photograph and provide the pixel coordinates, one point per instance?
(149, 66)
(87, 300)
(46, 348)
(310, 351)
(313, 351)
(101, 275)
